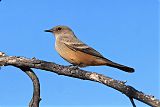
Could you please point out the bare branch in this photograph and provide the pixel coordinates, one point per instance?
(80, 74)
(36, 93)
(132, 101)
(36, 85)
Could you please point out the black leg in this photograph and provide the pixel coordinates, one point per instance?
(74, 66)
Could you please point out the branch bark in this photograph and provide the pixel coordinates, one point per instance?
(36, 85)
(120, 86)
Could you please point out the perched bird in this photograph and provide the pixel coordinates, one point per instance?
(78, 53)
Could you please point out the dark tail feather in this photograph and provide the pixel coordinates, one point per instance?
(121, 67)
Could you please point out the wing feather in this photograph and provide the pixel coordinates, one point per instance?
(83, 48)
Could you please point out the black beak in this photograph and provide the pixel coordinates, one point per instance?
(48, 30)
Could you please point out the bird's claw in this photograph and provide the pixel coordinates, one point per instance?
(74, 67)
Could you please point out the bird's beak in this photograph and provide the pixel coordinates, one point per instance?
(48, 30)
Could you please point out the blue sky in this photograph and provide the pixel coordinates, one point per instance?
(125, 31)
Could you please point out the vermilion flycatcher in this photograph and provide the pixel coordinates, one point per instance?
(78, 53)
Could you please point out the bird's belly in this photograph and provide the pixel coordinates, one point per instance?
(78, 57)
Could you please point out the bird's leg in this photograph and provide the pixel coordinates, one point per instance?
(73, 66)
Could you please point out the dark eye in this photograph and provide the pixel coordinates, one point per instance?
(59, 28)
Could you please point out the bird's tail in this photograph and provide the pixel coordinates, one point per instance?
(121, 67)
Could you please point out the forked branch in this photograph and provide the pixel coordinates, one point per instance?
(129, 91)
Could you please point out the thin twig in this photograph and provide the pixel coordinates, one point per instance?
(132, 101)
(36, 93)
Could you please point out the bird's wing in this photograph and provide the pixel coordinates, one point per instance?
(80, 46)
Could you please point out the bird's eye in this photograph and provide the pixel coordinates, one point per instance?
(59, 28)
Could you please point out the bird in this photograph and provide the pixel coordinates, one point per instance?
(78, 53)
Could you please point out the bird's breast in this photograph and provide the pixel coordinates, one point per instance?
(66, 53)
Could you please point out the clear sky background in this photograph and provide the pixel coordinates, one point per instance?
(125, 31)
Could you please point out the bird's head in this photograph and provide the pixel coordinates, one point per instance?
(60, 30)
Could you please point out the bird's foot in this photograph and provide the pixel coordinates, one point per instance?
(73, 67)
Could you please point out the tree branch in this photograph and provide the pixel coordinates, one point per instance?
(36, 93)
(132, 101)
(80, 74)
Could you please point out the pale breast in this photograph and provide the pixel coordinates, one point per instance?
(66, 53)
